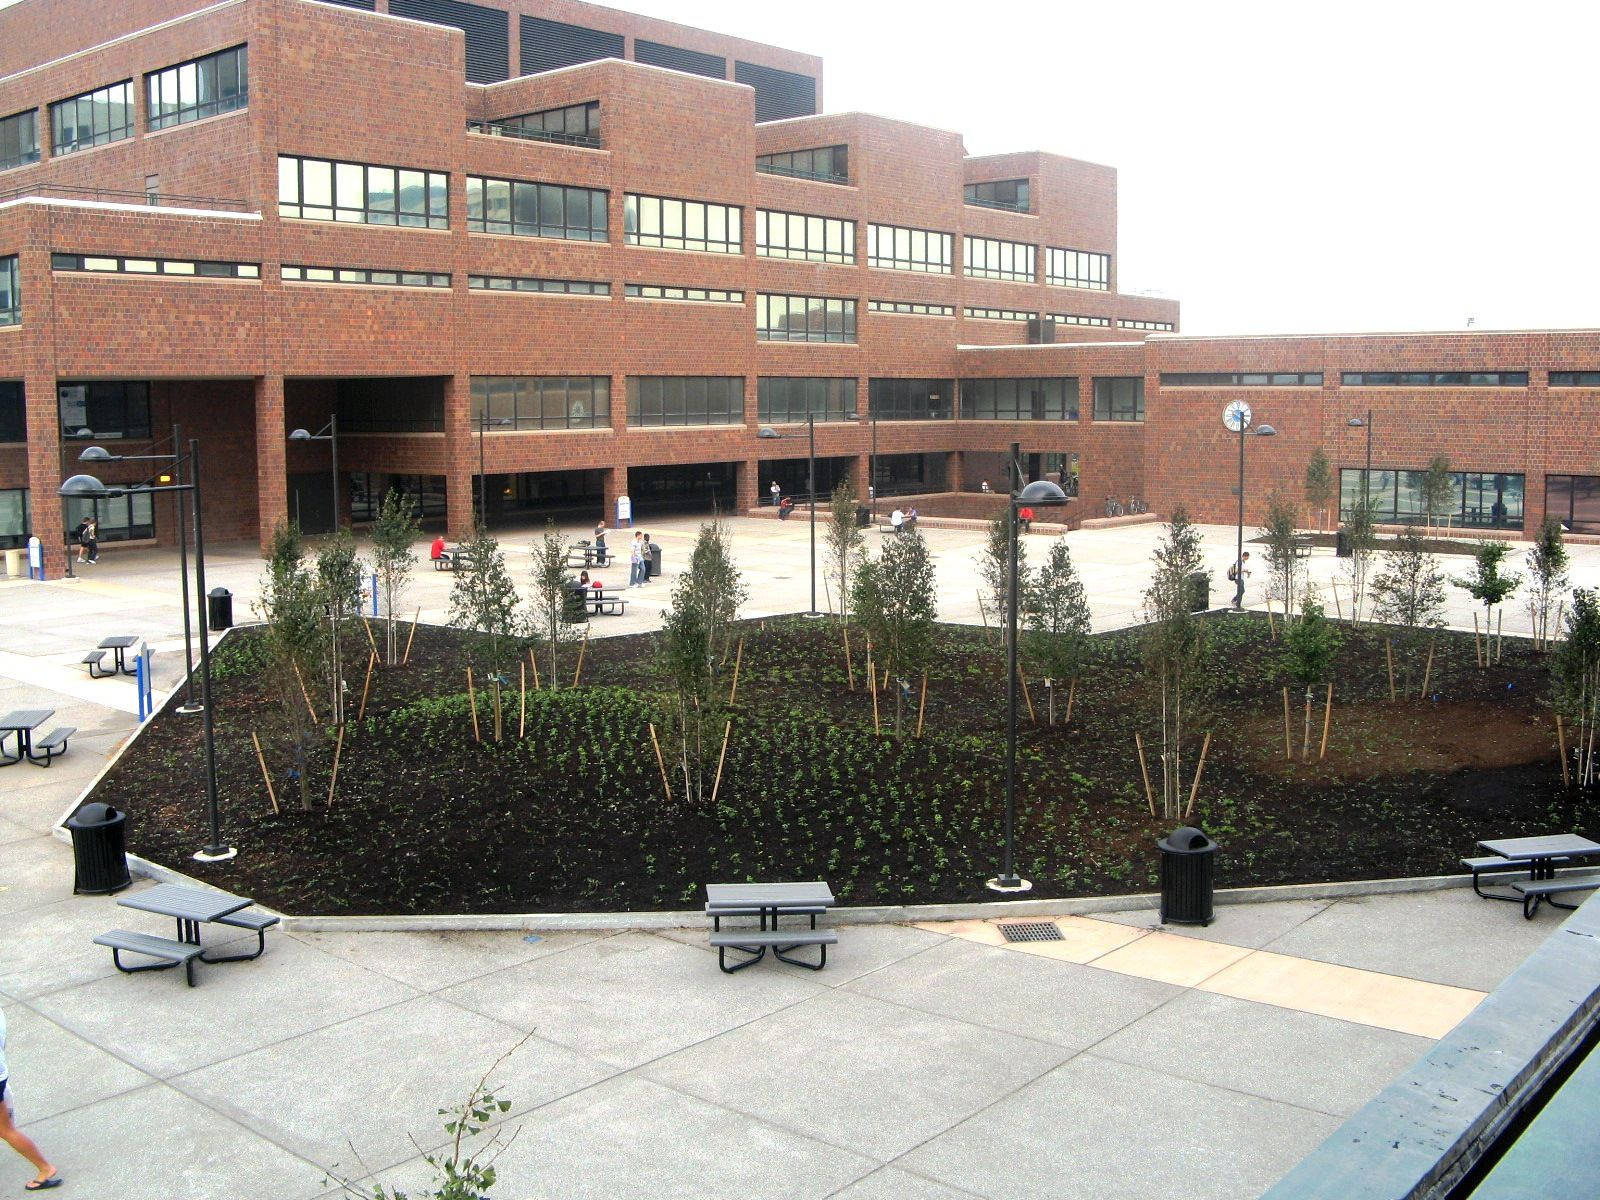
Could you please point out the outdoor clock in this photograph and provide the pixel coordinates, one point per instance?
(1236, 416)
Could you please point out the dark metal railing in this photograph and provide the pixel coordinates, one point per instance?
(115, 196)
(796, 173)
(1000, 204)
(496, 129)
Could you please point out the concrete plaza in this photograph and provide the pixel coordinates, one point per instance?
(928, 1061)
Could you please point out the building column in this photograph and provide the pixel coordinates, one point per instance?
(45, 471)
(615, 483)
(954, 475)
(746, 485)
(860, 476)
(272, 478)
(460, 457)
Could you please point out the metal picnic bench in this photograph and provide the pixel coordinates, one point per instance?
(191, 908)
(768, 902)
(23, 722)
(1538, 856)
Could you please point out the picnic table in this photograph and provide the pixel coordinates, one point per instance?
(768, 902)
(586, 555)
(119, 647)
(191, 908)
(608, 602)
(21, 722)
(1540, 855)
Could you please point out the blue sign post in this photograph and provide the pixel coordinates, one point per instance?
(35, 558)
(144, 676)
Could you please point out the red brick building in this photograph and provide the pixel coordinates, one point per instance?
(559, 254)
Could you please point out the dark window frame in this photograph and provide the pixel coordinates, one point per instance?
(18, 538)
(787, 399)
(835, 321)
(1236, 379)
(364, 276)
(1086, 269)
(1575, 379)
(536, 126)
(13, 412)
(808, 226)
(147, 268)
(233, 62)
(994, 258)
(998, 314)
(98, 135)
(1003, 399)
(122, 417)
(671, 401)
(433, 212)
(530, 209)
(1081, 319)
(1149, 326)
(10, 290)
(825, 164)
(637, 206)
(911, 308)
(1119, 398)
(19, 139)
(937, 250)
(1451, 379)
(993, 193)
(525, 402)
(528, 285)
(1386, 491)
(672, 291)
(893, 398)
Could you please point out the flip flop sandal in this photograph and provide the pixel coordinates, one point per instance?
(39, 1185)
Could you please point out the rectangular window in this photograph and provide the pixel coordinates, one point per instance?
(897, 248)
(92, 119)
(911, 399)
(543, 402)
(797, 235)
(1077, 268)
(10, 292)
(1434, 379)
(1070, 319)
(788, 399)
(1158, 326)
(1479, 499)
(990, 258)
(668, 224)
(1000, 314)
(1574, 500)
(550, 210)
(425, 492)
(120, 518)
(1019, 399)
(366, 275)
(829, 164)
(523, 283)
(183, 268)
(316, 189)
(1583, 379)
(1009, 194)
(19, 140)
(203, 87)
(1119, 398)
(660, 291)
(911, 307)
(685, 400)
(103, 410)
(574, 125)
(804, 319)
(14, 523)
(13, 416)
(1241, 379)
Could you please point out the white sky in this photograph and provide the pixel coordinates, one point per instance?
(1285, 167)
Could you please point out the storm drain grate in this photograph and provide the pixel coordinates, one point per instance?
(1030, 931)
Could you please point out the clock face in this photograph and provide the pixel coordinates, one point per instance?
(1236, 416)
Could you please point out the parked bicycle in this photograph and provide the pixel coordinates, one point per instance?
(1113, 507)
(1137, 506)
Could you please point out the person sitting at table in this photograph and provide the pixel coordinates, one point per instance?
(436, 551)
(785, 507)
(910, 518)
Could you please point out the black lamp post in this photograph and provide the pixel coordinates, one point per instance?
(768, 432)
(99, 454)
(1236, 417)
(1039, 492)
(328, 433)
(87, 487)
(1366, 476)
(484, 421)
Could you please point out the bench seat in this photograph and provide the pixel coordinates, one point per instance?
(168, 952)
(717, 912)
(53, 744)
(1535, 890)
(93, 661)
(253, 919)
(756, 942)
(1494, 864)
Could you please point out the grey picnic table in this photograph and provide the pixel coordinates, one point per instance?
(119, 647)
(767, 900)
(1541, 853)
(190, 907)
(22, 722)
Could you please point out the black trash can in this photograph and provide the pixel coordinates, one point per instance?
(654, 561)
(1199, 592)
(219, 608)
(863, 516)
(99, 850)
(1341, 544)
(575, 607)
(1187, 875)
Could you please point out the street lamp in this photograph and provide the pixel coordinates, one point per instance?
(87, 487)
(767, 431)
(484, 421)
(1039, 492)
(1236, 417)
(328, 433)
(98, 454)
(1366, 477)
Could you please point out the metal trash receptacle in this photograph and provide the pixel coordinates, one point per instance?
(99, 850)
(1341, 544)
(219, 609)
(863, 516)
(654, 561)
(1188, 860)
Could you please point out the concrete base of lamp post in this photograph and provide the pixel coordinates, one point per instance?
(206, 856)
(1013, 886)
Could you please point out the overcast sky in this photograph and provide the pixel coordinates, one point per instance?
(1285, 167)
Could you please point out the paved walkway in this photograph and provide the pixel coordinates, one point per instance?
(927, 1062)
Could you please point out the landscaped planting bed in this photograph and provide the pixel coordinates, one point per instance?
(573, 816)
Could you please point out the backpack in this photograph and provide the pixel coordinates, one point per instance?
(1233, 573)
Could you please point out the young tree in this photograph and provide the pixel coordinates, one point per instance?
(338, 584)
(485, 605)
(394, 534)
(695, 632)
(1410, 589)
(552, 596)
(1319, 485)
(1057, 614)
(1547, 577)
(1439, 488)
(295, 639)
(895, 601)
(1575, 680)
(1310, 646)
(1488, 584)
(994, 569)
(1361, 536)
(843, 540)
(1176, 646)
(1283, 564)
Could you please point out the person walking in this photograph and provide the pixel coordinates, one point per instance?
(91, 540)
(14, 1137)
(80, 535)
(600, 543)
(1238, 573)
(636, 561)
(776, 492)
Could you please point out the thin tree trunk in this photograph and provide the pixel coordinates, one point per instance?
(1305, 740)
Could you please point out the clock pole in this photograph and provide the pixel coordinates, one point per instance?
(1238, 552)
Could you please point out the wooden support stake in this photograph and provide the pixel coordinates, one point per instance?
(367, 625)
(660, 762)
(1477, 649)
(497, 723)
(922, 705)
(533, 657)
(1072, 691)
(1388, 654)
(333, 778)
(1149, 796)
(1194, 789)
(1333, 585)
(522, 723)
(372, 661)
(1305, 737)
(1499, 632)
(406, 657)
(582, 646)
(310, 707)
(1561, 745)
(273, 795)
(849, 668)
(1272, 625)
(1327, 716)
(472, 698)
(1550, 640)
(738, 658)
(873, 674)
(1427, 671)
(1288, 746)
(1023, 680)
(721, 758)
(983, 613)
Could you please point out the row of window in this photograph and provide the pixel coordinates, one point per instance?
(190, 91)
(1009, 194)
(1241, 379)
(316, 189)
(549, 210)
(829, 164)
(659, 291)
(805, 319)
(530, 402)
(428, 279)
(121, 265)
(799, 235)
(911, 307)
(571, 125)
(1479, 499)
(524, 283)
(1158, 326)
(1075, 319)
(1434, 378)
(999, 314)
(991, 258)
